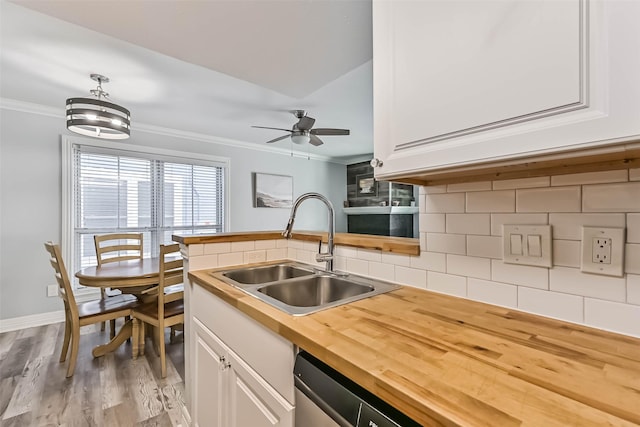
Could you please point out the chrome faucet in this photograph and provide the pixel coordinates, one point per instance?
(320, 257)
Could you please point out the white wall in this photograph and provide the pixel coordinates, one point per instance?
(30, 199)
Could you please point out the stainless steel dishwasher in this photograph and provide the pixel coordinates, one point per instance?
(326, 398)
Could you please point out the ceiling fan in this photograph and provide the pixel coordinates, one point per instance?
(303, 132)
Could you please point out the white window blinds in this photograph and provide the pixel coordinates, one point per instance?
(123, 191)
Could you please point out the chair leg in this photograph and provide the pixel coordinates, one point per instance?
(156, 339)
(75, 338)
(141, 338)
(172, 334)
(67, 336)
(126, 319)
(102, 295)
(135, 334)
(112, 325)
(163, 362)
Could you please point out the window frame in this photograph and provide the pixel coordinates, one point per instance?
(68, 216)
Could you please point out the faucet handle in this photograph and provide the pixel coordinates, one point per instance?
(323, 257)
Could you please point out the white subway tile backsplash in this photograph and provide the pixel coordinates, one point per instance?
(423, 241)
(632, 258)
(510, 184)
(217, 248)
(382, 271)
(358, 266)
(552, 199)
(444, 203)
(623, 197)
(469, 186)
(591, 177)
(498, 220)
(434, 189)
(411, 277)
(634, 174)
(370, 255)
(296, 244)
(275, 254)
(569, 226)
(265, 244)
(633, 289)
(346, 251)
(243, 246)
(623, 318)
(447, 243)
(202, 262)
(195, 249)
(551, 304)
(573, 281)
(491, 201)
(340, 263)
(230, 258)
(447, 283)
(469, 266)
(492, 292)
(524, 275)
(396, 259)
(282, 243)
(468, 224)
(432, 261)
(255, 256)
(566, 253)
(304, 256)
(484, 246)
(432, 223)
(310, 246)
(633, 227)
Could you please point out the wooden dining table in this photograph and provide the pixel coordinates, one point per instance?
(131, 277)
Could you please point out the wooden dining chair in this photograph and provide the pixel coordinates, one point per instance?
(117, 247)
(168, 308)
(88, 313)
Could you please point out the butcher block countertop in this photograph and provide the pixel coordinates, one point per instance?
(444, 360)
(399, 245)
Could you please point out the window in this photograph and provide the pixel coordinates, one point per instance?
(116, 190)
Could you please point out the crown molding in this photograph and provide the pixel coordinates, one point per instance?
(44, 110)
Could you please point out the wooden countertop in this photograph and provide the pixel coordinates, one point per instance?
(399, 245)
(449, 361)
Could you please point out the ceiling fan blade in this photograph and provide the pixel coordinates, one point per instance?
(328, 131)
(278, 139)
(315, 140)
(305, 123)
(264, 127)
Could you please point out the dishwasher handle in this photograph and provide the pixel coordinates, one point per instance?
(318, 401)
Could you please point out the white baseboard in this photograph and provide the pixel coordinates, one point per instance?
(30, 321)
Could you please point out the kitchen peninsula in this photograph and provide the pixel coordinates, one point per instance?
(441, 360)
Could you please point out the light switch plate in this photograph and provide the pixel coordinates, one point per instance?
(603, 251)
(527, 247)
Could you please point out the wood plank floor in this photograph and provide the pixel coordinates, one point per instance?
(113, 390)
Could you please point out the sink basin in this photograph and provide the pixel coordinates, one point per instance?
(314, 291)
(299, 289)
(266, 274)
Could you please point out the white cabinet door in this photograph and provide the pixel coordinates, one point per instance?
(210, 387)
(252, 401)
(462, 82)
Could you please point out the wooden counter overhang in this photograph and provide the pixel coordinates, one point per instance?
(449, 361)
(399, 245)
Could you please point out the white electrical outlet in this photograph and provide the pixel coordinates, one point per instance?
(52, 290)
(603, 251)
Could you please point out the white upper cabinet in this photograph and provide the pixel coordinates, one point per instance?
(457, 83)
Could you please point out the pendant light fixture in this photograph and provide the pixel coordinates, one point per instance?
(97, 117)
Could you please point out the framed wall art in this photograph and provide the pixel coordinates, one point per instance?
(272, 191)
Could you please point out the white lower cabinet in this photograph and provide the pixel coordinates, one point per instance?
(239, 373)
(228, 393)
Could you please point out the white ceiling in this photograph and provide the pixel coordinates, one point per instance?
(210, 67)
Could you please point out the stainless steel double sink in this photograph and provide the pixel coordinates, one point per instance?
(300, 289)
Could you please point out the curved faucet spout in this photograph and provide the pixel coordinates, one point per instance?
(328, 256)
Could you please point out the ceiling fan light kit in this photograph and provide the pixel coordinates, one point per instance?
(97, 117)
(303, 132)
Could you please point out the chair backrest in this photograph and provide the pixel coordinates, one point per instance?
(118, 247)
(171, 272)
(64, 285)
